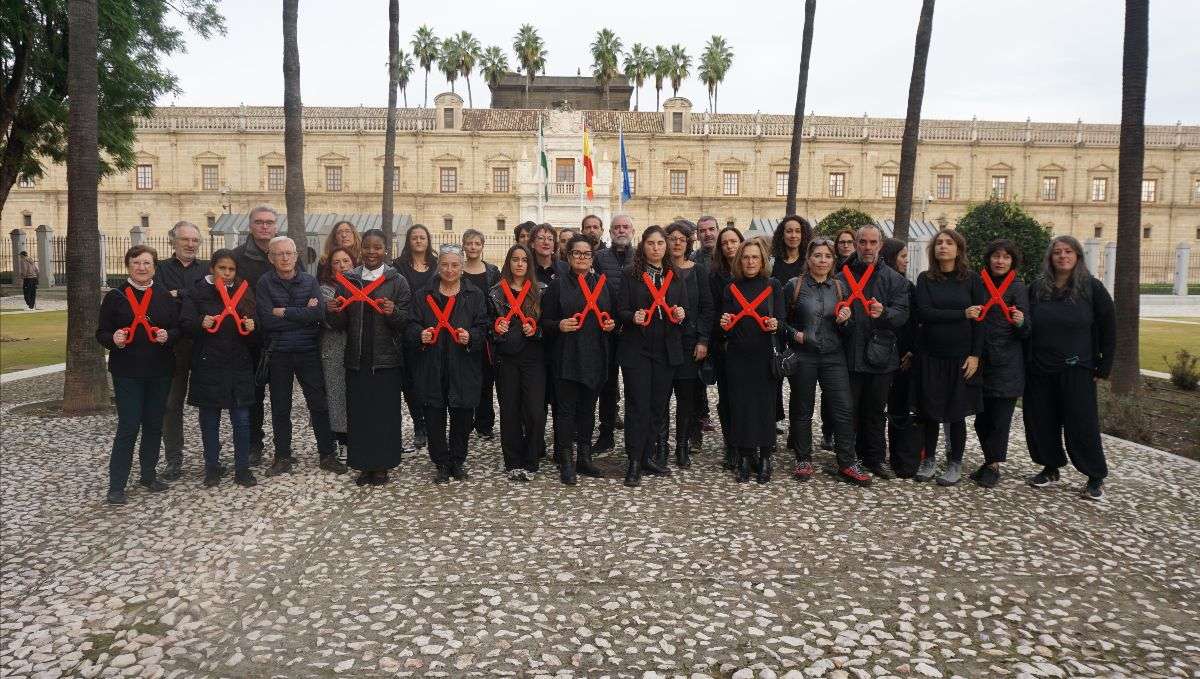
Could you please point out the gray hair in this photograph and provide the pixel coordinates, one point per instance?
(263, 208)
(280, 239)
(868, 226)
(620, 216)
(181, 225)
(706, 218)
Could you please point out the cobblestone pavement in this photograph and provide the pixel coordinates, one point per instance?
(309, 575)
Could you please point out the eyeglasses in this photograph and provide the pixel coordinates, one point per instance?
(544, 239)
(845, 241)
(582, 254)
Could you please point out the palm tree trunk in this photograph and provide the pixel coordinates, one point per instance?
(470, 99)
(528, 83)
(85, 385)
(912, 123)
(425, 103)
(657, 98)
(389, 138)
(810, 11)
(293, 130)
(1126, 374)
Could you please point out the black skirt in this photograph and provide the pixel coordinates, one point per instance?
(373, 411)
(943, 395)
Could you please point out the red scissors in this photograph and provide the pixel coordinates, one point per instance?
(514, 305)
(856, 290)
(443, 318)
(997, 295)
(231, 308)
(139, 315)
(660, 298)
(748, 308)
(358, 294)
(590, 296)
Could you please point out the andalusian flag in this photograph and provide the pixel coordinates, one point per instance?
(588, 170)
(545, 164)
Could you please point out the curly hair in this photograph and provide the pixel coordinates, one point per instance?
(779, 249)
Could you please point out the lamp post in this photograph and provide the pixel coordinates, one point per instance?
(925, 201)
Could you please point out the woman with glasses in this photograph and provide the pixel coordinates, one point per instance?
(843, 247)
(720, 276)
(696, 326)
(417, 264)
(343, 236)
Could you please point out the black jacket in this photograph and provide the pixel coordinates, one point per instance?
(811, 311)
(300, 327)
(514, 341)
(447, 374)
(636, 343)
(871, 342)
(222, 367)
(387, 337)
(1073, 331)
(581, 356)
(613, 266)
(171, 275)
(697, 325)
(1003, 359)
(490, 276)
(141, 356)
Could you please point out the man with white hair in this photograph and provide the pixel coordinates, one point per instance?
(178, 275)
(289, 309)
(612, 262)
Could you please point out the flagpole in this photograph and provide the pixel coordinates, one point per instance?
(542, 174)
(620, 159)
(583, 173)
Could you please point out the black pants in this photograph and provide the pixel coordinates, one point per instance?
(826, 419)
(1063, 405)
(610, 395)
(29, 290)
(574, 414)
(141, 402)
(957, 432)
(703, 409)
(521, 387)
(868, 398)
(723, 405)
(485, 413)
(904, 433)
(830, 371)
(415, 410)
(992, 425)
(687, 410)
(304, 366)
(173, 420)
(453, 450)
(647, 401)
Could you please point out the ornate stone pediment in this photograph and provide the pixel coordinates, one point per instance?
(1052, 168)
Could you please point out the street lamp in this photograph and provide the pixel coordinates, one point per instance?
(925, 201)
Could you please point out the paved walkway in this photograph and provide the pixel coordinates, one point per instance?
(309, 575)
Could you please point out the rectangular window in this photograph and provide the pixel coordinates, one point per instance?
(212, 221)
(333, 178)
(448, 179)
(447, 224)
(679, 182)
(887, 188)
(633, 182)
(837, 184)
(209, 177)
(945, 187)
(677, 122)
(1149, 190)
(1049, 188)
(500, 225)
(1146, 231)
(729, 182)
(275, 180)
(448, 118)
(500, 179)
(1099, 189)
(145, 221)
(1098, 232)
(25, 183)
(145, 177)
(1196, 189)
(564, 170)
(395, 178)
(27, 220)
(1000, 187)
(781, 183)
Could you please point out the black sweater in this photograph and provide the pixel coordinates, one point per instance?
(945, 330)
(1073, 331)
(141, 357)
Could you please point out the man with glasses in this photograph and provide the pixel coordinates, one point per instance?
(612, 262)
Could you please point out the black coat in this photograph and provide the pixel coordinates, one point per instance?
(171, 275)
(141, 357)
(871, 345)
(222, 365)
(1072, 331)
(1003, 359)
(448, 374)
(612, 265)
(300, 326)
(697, 325)
(387, 339)
(636, 343)
(750, 384)
(581, 356)
(252, 262)
(514, 341)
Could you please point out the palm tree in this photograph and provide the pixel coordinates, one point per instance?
(912, 123)
(426, 47)
(85, 385)
(1126, 374)
(404, 71)
(293, 129)
(718, 57)
(708, 76)
(389, 135)
(810, 12)
(468, 56)
(661, 66)
(680, 63)
(450, 60)
(531, 55)
(638, 64)
(493, 64)
(606, 54)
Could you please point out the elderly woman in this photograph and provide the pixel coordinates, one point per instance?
(138, 327)
(333, 347)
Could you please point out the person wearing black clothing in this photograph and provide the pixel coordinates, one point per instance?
(706, 237)
(697, 327)
(1003, 359)
(719, 278)
(612, 262)
(904, 436)
(222, 365)
(593, 227)
(579, 353)
(789, 246)
(291, 313)
(871, 354)
(1071, 346)
(520, 358)
(418, 265)
(949, 344)
(843, 247)
(482, 275)
(447, 371)
(141, 364)
(814, 327)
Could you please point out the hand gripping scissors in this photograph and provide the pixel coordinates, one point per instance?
(997, 294)
(358, 295)
(231, 308)
(139, 315)
(590, 296)
(748, 308)
(660, 298)
(443, 317)
(514, 305)
(856, 290)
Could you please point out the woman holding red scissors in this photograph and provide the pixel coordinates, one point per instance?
(333, 344)
(750, 309)
(138, 327)
(516, 304)
(729, 239)
(222, 366)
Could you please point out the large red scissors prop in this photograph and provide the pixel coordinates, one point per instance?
(139, 315)
(231, 308)
(514, 305)
(358, 294)
(590, 295)
(443, 318)
(856, 290)
(997, 294)
(660, 298)
(748, 308)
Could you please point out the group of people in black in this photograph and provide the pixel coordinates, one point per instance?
(567, 323)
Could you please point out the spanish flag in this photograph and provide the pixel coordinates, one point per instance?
(588, 170)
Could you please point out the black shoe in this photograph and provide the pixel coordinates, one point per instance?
(458, 471)
(115, 497)
(171, 472)
(330, 463)
(652, 468)
(986, 476)
(566, 467)
(880, 472)
(683, 456)
(604, 442)
(154, 485)
(212, 477)
(584, 465)
(363, 479)
(281, 465)
(744, 463)
(1094, 490)
(664, 451)
(245, 478)
(1047, 476)
(728, 464)
(633, 472)
(827, 442)
(379, 478)
(764, 468)
(256, 454)
(441, 474)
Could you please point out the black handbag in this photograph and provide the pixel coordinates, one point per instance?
(783, 359)
(262, 371)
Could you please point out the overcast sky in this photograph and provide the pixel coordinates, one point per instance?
(1052, 60)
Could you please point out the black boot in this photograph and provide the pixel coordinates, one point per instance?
(744, 463)
(764, 466)
(584, 465)
(633, 473)
(683, 454)
(664, 450)
(566, 466)
(730, 462)
(651, 465)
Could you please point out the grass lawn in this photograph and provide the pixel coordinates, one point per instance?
(32, 339)
(1159, 339)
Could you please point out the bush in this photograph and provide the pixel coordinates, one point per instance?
(1125, 417)
(985, 222)
(845, 218)
(1185, 370)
